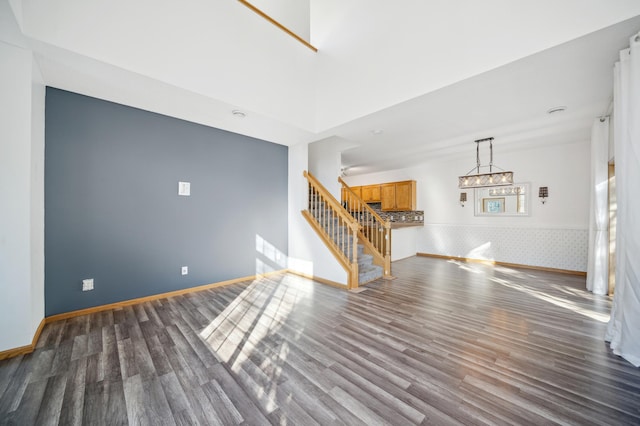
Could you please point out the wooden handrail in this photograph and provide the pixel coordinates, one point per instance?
(335, 204)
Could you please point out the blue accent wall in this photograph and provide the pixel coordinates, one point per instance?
(113, 213)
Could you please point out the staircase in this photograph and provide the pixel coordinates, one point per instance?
(358, 238)
(367, 270)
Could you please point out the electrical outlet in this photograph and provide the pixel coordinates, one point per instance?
(87, 284)
(185, 270)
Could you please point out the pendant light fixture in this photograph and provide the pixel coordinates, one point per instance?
(482, 180)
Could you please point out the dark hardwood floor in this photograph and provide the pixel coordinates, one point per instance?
(445, 343)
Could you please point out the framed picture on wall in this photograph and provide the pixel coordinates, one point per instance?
(493, 205)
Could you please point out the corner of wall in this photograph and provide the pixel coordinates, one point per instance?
(21, 185)
(38, 93)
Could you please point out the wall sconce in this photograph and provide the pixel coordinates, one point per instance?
(463, 198)
(543, 193)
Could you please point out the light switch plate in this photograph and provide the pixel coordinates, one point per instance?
(184, 188)
(184, 270)
(87, 284)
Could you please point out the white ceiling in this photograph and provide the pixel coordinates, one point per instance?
(509, 103)
(433, 75)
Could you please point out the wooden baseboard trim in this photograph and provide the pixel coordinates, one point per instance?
(319, 279)
(26, 349)
(22, 350)
(505, 264)
(94, 309)
(9, 353)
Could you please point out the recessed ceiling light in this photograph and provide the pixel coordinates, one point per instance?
(557, 109)
(377, 131)
(238, 113)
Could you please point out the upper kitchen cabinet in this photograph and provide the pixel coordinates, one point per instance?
(371, 193)
(398, 195)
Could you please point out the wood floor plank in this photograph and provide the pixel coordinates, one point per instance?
(204, 410)
(378, 401)
(224, 408)
(238, 397)
(30, 403)
(115, 403)
(444, 343)
(8, 376)
(134, 396)
(357, 408)
(49, 410)
(71, 412)
(374, 391)
(175, 396)
(19, 380)
(157, 408)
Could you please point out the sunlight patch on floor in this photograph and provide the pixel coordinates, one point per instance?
(563, 303)
(555, 300)
(245, 327)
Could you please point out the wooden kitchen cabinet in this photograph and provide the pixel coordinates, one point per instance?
(406, 195)
(398, 195)
(392, 196)
(371, 193)
(388, 196)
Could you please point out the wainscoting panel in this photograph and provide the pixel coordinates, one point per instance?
(560, 248)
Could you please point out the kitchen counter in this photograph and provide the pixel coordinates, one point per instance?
(400, 219)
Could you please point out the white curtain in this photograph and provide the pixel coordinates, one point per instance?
(598, 264)
(623, 330)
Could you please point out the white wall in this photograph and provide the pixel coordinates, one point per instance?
(324, 164)
(555, 235)
(307, 253)
(22, 195)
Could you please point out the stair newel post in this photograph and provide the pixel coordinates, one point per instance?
(353, 279)
(387, 248)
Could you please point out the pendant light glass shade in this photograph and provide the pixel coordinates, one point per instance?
(485, 179)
